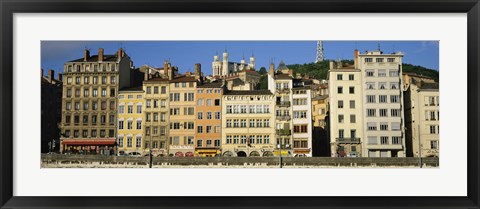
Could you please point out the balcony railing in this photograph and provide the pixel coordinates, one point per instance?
(283, 117)
(283, 103)
(283, 90)
(284, 132)
(348, 140)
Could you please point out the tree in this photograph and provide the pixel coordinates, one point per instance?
(262, 71)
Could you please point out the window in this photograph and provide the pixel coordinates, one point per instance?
(229, 109)
(120, 141)
(352, 106)
(235, 123)
(396, 140)
(129, 125)
(139, 124)
(209, 143)
(383, 112)
(340, 90)
(85, 106)
(228, 140)
(368, 59)
(340, 103)
(266, 139)
(104, 92)
(351, 77)
(95, 92)
(235, 139)
(77, 80)
(390, 59)
(382, 85)
(341, 133)
(77, 92)
(266, 123)
(393, 85)
(353, 133)
(384, 126)
(266, 109)
(370, 85)
(229, 123)
(252, 123)
(371, 126)
(394, 98)
(243, 109)
(259, 108)
(395, 126)
(382, 73)
(370, 73)
(112, 80)
(208, 129)
(353, 119)
(393, 73)
(432, 129)
(149, 90)
(138, 142)
(200, 115)
(163, 103)
(339, 77)
(433, 144)
(130, 109)
(217, 102)
(370, 98)
(379, 60)
(384, 140)
(199, 129)
(395, 112)
(129, 141)
(235, 109)
(209, 115)
(139, 108)
(209, 102)
(351, 90)
(372, 140)
(340, 118)
(371, 112)
(155, 89)
(382, 98)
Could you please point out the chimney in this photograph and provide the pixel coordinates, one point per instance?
(145, 75)
(168, 70)
(120, 54)
(198, 73)
(100, 54)
(50, 75)
(60, 77)
(86, 54)
(355, 58)
(271, 70)
(332, 65)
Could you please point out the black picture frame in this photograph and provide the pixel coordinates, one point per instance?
(10, 7)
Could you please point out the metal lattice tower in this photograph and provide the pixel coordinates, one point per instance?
(320, 56)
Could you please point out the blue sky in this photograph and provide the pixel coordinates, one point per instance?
(185, 54)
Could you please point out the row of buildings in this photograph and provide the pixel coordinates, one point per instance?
(110, 107)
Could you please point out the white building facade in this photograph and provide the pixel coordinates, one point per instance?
(346, 111)
(225, 67)
(382, 104)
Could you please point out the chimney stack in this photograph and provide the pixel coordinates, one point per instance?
(100, 54)
(86, 54)
(60, 77)
(332, 65)
(355, 58)
(198, 73)
(50, 75)
(271, 70)
(120, 53)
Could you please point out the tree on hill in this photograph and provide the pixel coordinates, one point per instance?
(262, 71)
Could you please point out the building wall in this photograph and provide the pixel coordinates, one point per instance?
(302, 104)
(376, 63)
(51, 107)
(99, 123)
(182, 134)
(423, 119)
(266, 134)
(345, 145)
(283, 98)
(203, 148)
(157, 107)
(130, 136)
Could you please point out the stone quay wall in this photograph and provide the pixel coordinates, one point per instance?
(98, 161)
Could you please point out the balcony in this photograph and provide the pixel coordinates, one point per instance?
(283, 117)
(283, 103)
(283, 90)
(284, 132)
(348, 140)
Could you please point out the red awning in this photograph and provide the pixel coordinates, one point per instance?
(110, 141)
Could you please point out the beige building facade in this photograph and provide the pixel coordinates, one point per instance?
(130, 125)
(248, 123)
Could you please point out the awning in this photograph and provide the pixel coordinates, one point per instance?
(109, 141)
(301, 151)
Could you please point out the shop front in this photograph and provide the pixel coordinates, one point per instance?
(305, 152)
(207, 152)
(89, 146)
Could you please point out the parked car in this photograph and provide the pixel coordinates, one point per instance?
(134, 154)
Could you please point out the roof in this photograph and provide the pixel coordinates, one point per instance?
(253, 72)
(215, 84)
(183, 78)
(320, 97)
(135, 88)
(237, 82)
(249, 92)
(282, 66)
(283, 76)
(426, 86)
(156, 79)
(94, 58)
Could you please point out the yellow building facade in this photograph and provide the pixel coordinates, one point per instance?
(130, 124)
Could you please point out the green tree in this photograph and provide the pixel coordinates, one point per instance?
(262, 71)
